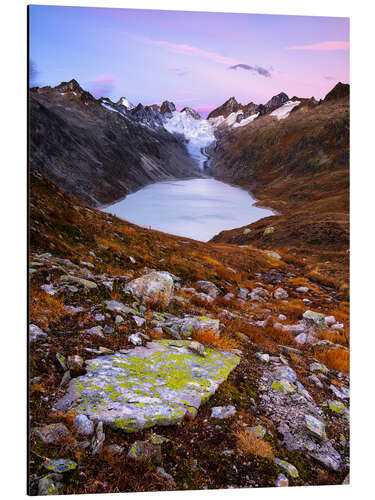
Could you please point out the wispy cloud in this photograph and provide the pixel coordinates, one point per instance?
(103, 85)
(330, 78)
(179, 71)
(256, 69)
(188, 50)
(338, 45)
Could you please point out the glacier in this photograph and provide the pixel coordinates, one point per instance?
(199, 133)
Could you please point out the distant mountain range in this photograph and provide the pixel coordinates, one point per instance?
(100, 150)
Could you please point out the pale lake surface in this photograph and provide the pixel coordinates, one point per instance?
(195, 208)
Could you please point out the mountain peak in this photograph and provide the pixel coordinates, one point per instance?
(339, 91)
(123, 101)
(167, 107)
(276, 101)
(191, 112)
(230, 106)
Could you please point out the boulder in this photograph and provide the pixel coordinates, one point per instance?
(208, 288)
(155, 288)
(153, 385)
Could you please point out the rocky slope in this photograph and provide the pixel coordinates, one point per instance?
(161, 363)
(98, 150)
(299, 166)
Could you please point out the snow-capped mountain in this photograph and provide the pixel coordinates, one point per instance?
(199, 133)
(124, 102)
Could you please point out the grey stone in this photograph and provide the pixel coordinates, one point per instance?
(83, 425)
(115, 306)
(281, 481)
(155, 288)
(223, 411)
(52, 433)
(36, 333)
(318, 319)
(135, 338)
(50, 485)
(315, 427)
(59, 465)
(139, 321)
(290, 469)
(156, 384)
(75, 362)
(280, 293)
(208, 288)
(98, 440)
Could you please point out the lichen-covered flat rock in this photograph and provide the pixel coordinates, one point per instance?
(154, 385)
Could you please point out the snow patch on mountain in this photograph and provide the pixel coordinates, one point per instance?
(284, 110)
(124, 102)
(198, 132)
(245, 121)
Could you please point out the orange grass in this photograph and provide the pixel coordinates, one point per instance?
(249, 444)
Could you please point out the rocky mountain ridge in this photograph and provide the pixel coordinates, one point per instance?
(98, 150)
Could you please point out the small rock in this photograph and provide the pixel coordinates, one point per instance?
(314, 317)
(98, 440)
(223, 411)
(52, 433)
(282, 317)
(75, 363)
(50, 485)
(259, 431)
(108, 330)
(146, 450)
(302, 289)
(315, 427)
(330, 320)
(281, 481)
(283, 386)
(315, 367)
(119, 319)
(99, 317)
(60, 465)
(337, 408)
(280, 293)
(197, 348)
(274, 255)
(83, 425)
(291, 470)
(139, 321)
(135, 338)
(263, 357)
(95, 330)
(62, 360)
(35, 333)
(208, 288)
(165, 475)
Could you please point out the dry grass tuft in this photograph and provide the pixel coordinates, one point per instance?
(249, 444)
(46, 309)
(337, 359)
(211, 339)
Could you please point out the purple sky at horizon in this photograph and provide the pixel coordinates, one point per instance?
(196, 59)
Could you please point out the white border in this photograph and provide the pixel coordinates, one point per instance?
(13, 241)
